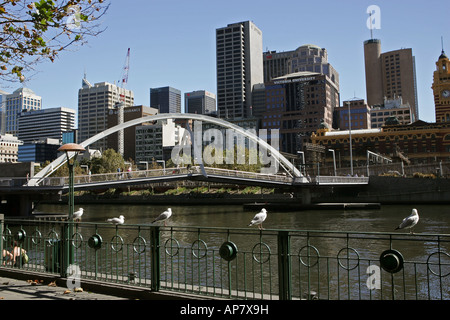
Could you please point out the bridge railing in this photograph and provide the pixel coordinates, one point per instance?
(240, 263)
(340, 180)
(249, 175)
(138, 174)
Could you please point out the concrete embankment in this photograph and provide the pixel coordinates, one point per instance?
(394, 190)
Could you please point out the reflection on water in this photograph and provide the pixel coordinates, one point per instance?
(433, 218)
(321, 260)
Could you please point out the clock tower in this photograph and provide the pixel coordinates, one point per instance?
(441, 89)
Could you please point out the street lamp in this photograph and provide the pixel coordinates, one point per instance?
(71, 150)
(303, 166)
(334, 160)
(163, 164)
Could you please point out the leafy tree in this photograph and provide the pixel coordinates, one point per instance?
(35, 31)
(108, 163)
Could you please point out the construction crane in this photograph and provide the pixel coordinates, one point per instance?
(120, 117)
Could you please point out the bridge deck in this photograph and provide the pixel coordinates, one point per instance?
(110, 180)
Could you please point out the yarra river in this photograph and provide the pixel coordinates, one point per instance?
(433, 218)
(418, 280)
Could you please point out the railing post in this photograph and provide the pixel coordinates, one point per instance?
(2, 221)
(155, 258)
(284, 266)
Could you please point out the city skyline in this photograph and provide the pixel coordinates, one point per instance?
(174, 44)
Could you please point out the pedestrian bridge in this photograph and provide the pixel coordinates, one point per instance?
(198, 173)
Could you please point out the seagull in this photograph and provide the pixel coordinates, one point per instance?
(116, 221)
(164, 216)
(409, 222)
(77, 214)
(259, 219)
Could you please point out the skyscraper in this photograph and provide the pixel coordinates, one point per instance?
(200, 102)
(308, 57)
(239, 67)
(46, 123)
(16, 102)
(390, 75)
(94, 103)
(297, 104)
(165, 99)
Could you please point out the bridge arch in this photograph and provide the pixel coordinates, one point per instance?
(164, 116)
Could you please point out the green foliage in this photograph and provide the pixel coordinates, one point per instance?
(108, 163)
(24, 25)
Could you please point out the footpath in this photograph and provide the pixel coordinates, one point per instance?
(38, 289)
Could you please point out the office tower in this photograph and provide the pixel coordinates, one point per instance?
(297, 104)
(441, 88)
(308, 57)
(392, 109)
(94, 104)
(154, 142)
(200, 102)
(359, 114)
(372, 64)
(165, 99)
(129, 113)
(9, 147)
(239, 68)
(16, 102)
(3, 95)
(45, 149)
(45, 123)
(390, 75)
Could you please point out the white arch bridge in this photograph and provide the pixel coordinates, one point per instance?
(290, 176)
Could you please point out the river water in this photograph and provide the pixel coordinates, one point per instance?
(433, 218)
(322, 254)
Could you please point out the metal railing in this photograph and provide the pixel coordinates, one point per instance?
(241, 263)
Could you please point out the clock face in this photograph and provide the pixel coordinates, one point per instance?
(446, 93)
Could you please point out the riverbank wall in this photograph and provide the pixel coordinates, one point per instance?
(392, 190)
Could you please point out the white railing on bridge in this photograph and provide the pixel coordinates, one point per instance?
(147, 175)
(167, 172)
(339, 180)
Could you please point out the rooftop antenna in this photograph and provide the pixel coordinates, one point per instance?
(371, 28)
(442, 43)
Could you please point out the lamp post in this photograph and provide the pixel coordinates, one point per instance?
(71, 150)
(334, 160)
(303, 162)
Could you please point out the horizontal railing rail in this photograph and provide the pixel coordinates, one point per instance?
(239, 263)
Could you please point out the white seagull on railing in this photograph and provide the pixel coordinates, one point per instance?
(116, 221)
(164, 216)
(77, 214)
(259, 218)
(410, 221)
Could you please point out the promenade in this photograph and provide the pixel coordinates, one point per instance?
(16, 289)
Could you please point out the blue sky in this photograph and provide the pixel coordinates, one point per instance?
(172, 43)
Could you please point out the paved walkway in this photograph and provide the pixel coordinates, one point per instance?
(14, 289)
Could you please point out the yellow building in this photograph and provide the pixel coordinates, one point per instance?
(418, 142)
(441, 88)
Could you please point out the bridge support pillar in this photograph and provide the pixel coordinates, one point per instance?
(17, 205)
(306, 196)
